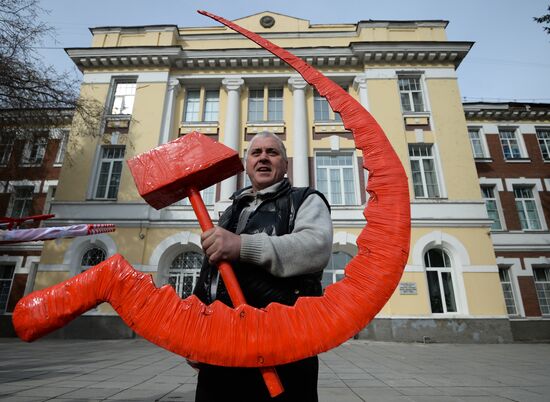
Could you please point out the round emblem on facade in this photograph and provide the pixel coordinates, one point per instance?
(267, 21)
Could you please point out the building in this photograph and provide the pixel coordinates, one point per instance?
(511, 146)
(160, 82)
(32, 150)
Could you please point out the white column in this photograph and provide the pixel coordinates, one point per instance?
(172, 91)
(300, 168)
(232, 128)
(360, 84)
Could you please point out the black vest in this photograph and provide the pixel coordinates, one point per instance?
(275, 216)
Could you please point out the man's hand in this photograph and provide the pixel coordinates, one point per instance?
(221, 245)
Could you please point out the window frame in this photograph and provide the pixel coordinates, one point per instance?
(544, 282)
(113, 97)
(265, 103)
(439, 271)
(333, 117)
(421, 91)
(536, 201)
(13, 200)
(522, 156)
(482, 142)
(5, 265)
(545, 141)
(512, 290)
(337, 274)
(37, 146)
(62, 148)
(6, 148)
(496, 197)
(355, 176)
(92, 247)
(202, 102)
(178, 273)
(437, 171)
(97, 172)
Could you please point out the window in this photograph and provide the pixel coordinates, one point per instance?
(6, 146)
(34, 150)
(211, 105)
(527, 208)
(542, 286)
(334, 271)
(62, 148)
(21, 202)
(123, 98)
(6, 279)
(201, 105)
(208, 196)
(257, 110)
(92, 257)
(506, 282)
(275, 104)
(410, 90)
(110, 168)
(476, 142)
(440, 281)
(184, 272)
(192, 106)
(509, 142)
(543, 135)
(424, 175)
(336, 178)
(488, 195)
(322, 110)
(50, 197)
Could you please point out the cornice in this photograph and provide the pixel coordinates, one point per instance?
(53, 116)
(513, 111)
(357, 53)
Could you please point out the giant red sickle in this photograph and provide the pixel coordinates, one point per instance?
(247, 336)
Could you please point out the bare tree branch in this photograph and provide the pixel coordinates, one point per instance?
(544, 19)
(26, 82)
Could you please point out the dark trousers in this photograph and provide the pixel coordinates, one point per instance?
(217, 383)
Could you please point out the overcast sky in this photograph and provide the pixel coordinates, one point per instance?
(509, 61)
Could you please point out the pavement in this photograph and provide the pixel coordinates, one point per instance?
(358, 370)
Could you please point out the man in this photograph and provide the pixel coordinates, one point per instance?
(278, 239)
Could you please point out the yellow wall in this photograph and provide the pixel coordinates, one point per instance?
(452, 140)
(476, 241)
(417, 305)
(45, 279)
(484, 293)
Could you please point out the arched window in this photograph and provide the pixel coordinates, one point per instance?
(440, 281)
(184, 272)
(91, 257)
(334, 271)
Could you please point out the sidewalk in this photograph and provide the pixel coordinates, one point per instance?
(135, 370)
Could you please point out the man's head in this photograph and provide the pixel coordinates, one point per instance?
(266, 160)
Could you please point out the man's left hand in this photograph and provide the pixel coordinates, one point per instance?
(221, 245)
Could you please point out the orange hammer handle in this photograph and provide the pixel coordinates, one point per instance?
(269, 374)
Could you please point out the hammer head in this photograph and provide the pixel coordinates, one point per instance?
(164, 174)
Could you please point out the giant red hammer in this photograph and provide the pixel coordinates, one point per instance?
(181, 168)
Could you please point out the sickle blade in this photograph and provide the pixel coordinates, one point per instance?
(246, 336)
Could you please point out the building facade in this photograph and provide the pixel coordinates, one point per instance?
(161, 82)
(32, 150)
(511, 146)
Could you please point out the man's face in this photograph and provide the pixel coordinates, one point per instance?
(264, 163)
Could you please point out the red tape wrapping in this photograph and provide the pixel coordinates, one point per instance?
(246, 336)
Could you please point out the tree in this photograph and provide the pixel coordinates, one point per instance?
(26, 82)
(544, 19)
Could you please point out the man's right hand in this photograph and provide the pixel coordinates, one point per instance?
(220, 244)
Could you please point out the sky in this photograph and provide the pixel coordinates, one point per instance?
(510, 60)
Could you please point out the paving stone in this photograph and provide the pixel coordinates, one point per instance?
(135, 370)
